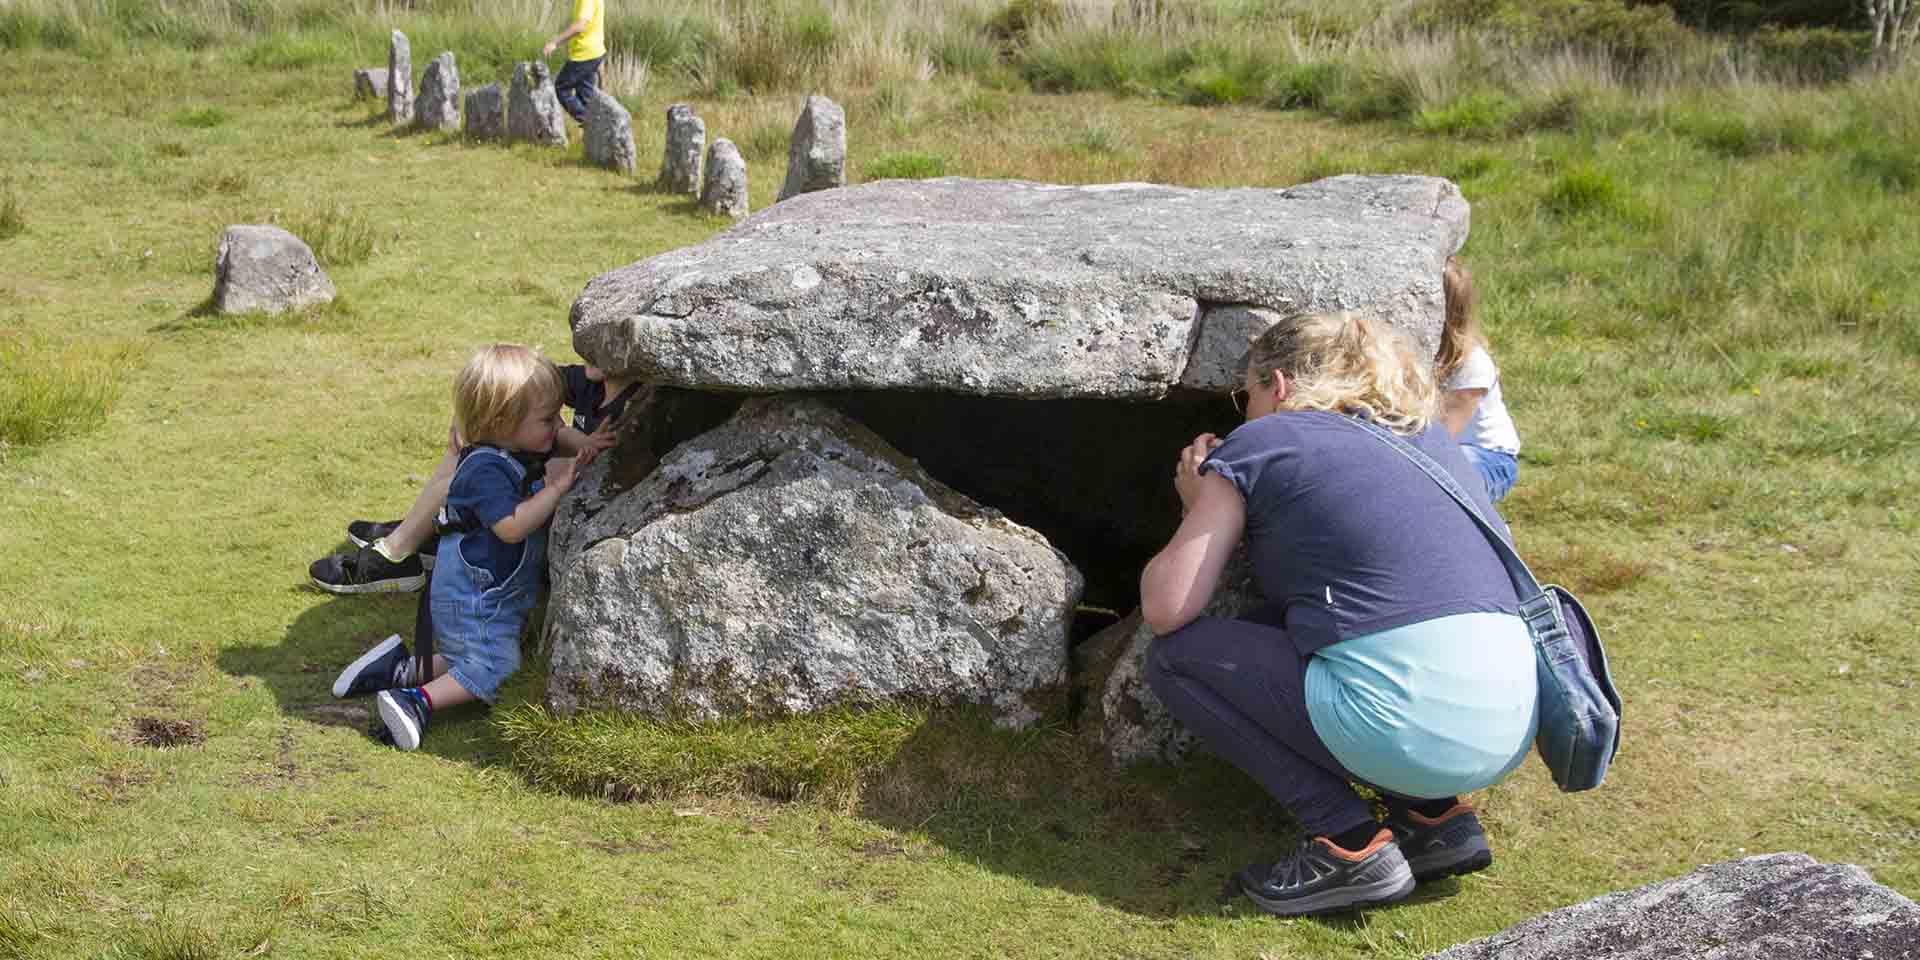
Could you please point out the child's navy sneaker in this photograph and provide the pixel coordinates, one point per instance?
(366, 571)
(1320, 877)
(1450, 845)
(363, 533)
(386, 666)
(404, 711)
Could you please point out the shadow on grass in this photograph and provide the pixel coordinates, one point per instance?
(1154, 840)
(300, 669)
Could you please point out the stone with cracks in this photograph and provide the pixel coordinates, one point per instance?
(1117, 707)
(399, 79)
(370, 84)
(725, 190)
(686, 138)
(262, 267)
(1012, 289)
(533, 109)
(817, 154)
(608, 138)
(790, 560)
(486, 113)
(1760, 908)
(438, 106)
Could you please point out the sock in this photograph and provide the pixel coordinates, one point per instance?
(420, 695)
(1355, 839)
(393, 556)
(1433, 808)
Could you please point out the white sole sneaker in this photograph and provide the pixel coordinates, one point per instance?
(399, 721)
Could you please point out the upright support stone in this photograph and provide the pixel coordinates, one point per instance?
(533, 110)
(439, 105)
(486, 113)
(608, 140)
(726, 185)
(370, 84)
(686, 137)
(817, 154)
(399, 80)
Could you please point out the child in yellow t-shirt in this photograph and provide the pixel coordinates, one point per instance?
(586, 40)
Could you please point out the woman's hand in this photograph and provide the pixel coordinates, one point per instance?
(1186, 470)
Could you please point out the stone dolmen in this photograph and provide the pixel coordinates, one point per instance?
(964, 395)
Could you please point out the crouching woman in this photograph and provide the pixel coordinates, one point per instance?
(1389, 653)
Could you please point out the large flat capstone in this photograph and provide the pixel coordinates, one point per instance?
(1015, 289)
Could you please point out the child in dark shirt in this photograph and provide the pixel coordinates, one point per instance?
(397, 555)
(493, 545)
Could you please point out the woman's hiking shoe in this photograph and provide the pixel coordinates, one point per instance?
(363, 533)
(1320, 877)
(1450, 845)
(405, 714)
(386, 666)
(366, 571)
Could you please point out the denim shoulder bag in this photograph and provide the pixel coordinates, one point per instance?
(1579, 706)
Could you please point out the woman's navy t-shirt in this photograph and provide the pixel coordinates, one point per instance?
(1348, 537)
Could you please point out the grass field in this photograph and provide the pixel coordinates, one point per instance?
(1703, 300)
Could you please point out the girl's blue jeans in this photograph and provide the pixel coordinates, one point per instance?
(1498, 469)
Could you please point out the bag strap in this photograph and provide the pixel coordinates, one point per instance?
(1535, 604)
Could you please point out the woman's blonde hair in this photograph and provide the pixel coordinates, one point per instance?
(496, 390)
(1345, 363)
(1462, 331)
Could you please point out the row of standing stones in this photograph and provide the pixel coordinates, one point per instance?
(260, 267)
(531, 112)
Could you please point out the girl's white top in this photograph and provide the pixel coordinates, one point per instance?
(1491, 428)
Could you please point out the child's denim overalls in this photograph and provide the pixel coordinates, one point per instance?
(477, 622)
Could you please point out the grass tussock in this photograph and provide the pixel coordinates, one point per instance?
(50, 392)
(340, 235)
(13, 216)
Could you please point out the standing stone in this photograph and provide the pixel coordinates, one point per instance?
(817, 154)
(608, 140)
(726, 187)
(686, 137)
(439, 105)
(370, 84)
(399, 80)
(533, 110)
(262, 267)
(486, 113)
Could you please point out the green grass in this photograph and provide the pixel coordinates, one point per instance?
(1712, 355)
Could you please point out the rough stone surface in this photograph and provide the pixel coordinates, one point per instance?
(1117, 708)
(1005, 288)
(399, 79)
(438, 107)
(725, 190)
(533, 110)
(608, 138)
(1219, 354)
(686, 138)
(790, 560)
(1760, 908)
(817, 154)
(262, 267)
(486, 113)
(370, 84)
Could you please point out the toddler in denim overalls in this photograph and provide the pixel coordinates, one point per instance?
(493, 551)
